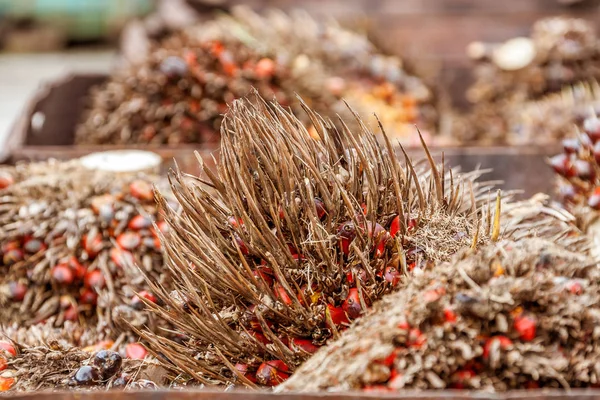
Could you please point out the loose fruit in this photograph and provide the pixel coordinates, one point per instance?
(135, 351)
(108, 363)
(62, 274)
(86, 375)
(94, 279)
(272, 373)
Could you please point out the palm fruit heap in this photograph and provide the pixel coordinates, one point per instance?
(57, 365)
(511, 315)
(179, 93)
(561, 51)
(296, 235)
(71, 242)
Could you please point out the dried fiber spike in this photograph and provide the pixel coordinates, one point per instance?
(296, 235)
(179, 93)
(74, 243)
(566, 51)
(511, 315)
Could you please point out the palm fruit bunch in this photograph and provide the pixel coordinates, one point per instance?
(180, 91)
(511, 315)
(297, 233)
(560, 52)
(76, 245)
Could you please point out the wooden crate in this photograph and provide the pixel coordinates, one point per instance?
(60, 104)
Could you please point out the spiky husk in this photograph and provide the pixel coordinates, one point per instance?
(223, 59)
(55, 205)
(567, 51)
(457, 326)
(257, 254)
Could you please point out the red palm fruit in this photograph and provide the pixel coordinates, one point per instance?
(17, 291)
(320, 207)
(281, 294)
(272, 373)
(355, 273)
(337, 314)
(135, 351)
(583, 170)
(265, 68)
(379, 236)
(392, 275)
(7, 348)
(6, 180)
(3, 362)
(574, 287)
(32, 245)
(346, 234)
(243, 369)
(163, 227)
(78, 269)
(141, 190)
(137, 302)
(449, 315)
(62, 274)
(561, 164)
(404, 325)
(591, 126)
(571, 146)
(265, 273)
(352, 306)
(92, 244)
(121, 257)
(240, 243)
(416, 338)
(304, 344)
(88, 296)
(6, 383)
(139, 222)
(505, 343)
(259, 337)
(594, 200)
(526, 327)
(13, 256)
(71, 314)
(232, 221)
(13, 244)
(129, 240)
(461, 377)
(412, 224)
(94, 279)
(395, 226)
(103, 204)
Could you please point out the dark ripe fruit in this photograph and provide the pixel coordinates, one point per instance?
(121, 257)
(338, 316)
(88, 296)
(303, 344)
(571, 146)
(139, 222)
(272, 373)
(121, 381)
(129, 240)
(395, 226)
(560, 163)
(503, 341)
(594, 200)
(173, 67)
(94, 279)
(135, 351)
(78, 269)
(392, 275)
(346, 234)
(352, 306)
(526, 327)
(141, 190)
(6, 180)
(320, 207)
(583, 170)
(596, 151)
(591, 126)
(13, 256)
(33, 245)
(136, 301)
(281, 294)
(108, 363)
(17, 291)
(87, 375)
(62, 274)
(264, 69)
(92, 244)
(8, 349)
(71, 314)
(240, 243)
